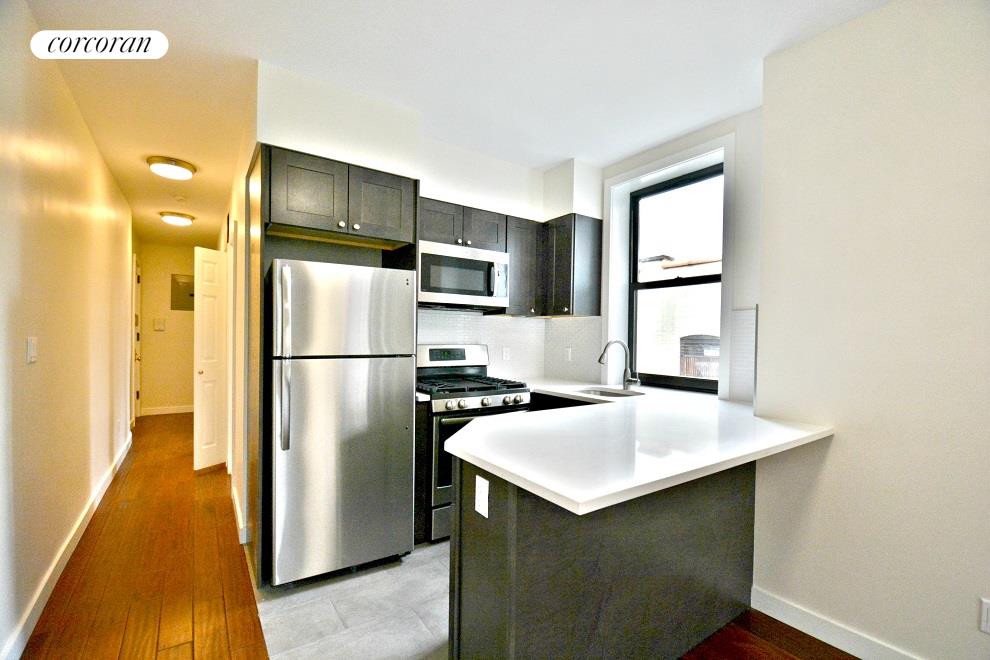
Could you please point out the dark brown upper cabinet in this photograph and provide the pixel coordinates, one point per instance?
(572, 260)
(311, 196)
(307, 191)
(523, 241)
(484, 230)
(444, 222)
(441, 222)
(381, 205)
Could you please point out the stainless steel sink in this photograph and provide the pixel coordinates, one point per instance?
(600, 391)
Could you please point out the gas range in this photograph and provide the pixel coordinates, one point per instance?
(456, 379)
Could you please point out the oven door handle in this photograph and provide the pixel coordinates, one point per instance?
(457, 421)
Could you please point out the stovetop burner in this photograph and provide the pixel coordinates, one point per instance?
(462, 383)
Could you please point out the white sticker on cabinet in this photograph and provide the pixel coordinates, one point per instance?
(481, 495)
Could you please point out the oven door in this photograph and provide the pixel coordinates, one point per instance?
(443, 474)
(465, 277)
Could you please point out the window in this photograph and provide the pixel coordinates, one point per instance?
(675, 274)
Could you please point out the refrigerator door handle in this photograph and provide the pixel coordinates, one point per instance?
(283, 312)
(283, 405)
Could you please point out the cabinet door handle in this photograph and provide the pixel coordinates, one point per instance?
(342, 224)
(459, 241)
(469, 242)
(355, 226)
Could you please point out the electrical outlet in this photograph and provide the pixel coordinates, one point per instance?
(506, 353)
(567, 354)
(985, 615)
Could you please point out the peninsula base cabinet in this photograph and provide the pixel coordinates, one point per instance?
(648, 578)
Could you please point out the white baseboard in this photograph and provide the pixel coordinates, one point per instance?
(14, 645)
(832, 632)
(242, 530)
(166, 410)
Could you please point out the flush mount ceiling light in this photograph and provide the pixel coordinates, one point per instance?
(171, 168)
(176, 218)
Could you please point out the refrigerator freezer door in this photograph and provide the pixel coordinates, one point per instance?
(333, 309)
(343, 488)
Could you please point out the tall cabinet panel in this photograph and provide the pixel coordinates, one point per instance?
(560, 245)
(573, 263)
(523, 241)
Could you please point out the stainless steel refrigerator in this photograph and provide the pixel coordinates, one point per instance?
(343, 397)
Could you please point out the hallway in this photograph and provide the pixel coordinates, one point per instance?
(159, 571)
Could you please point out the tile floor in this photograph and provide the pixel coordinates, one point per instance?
(397, 610)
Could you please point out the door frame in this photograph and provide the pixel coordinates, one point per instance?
(135, 339)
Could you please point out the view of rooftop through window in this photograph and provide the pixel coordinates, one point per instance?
(676, 290)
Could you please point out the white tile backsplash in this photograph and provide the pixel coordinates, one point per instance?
(538, 348)
(743, 355)
(524, 337)
(583, 336)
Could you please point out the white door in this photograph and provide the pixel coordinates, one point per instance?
(209, 416)
(135, 340)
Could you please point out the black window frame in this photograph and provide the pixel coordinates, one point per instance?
(660, 380)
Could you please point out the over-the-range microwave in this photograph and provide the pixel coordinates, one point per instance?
(458, 276)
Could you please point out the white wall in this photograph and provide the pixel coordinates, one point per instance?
(572, 187)
(166, 355)
(66, 271)
(875, 305)
(300, 113)
(237, 242)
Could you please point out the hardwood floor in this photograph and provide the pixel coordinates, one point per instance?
(158, 571)
(756, 636)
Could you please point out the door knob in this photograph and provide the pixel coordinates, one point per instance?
(355, 226)
(200, 372)
(342, 224)
(566, 309)
(459, 241)
(469, 242)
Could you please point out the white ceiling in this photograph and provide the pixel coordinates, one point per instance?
(534, 83)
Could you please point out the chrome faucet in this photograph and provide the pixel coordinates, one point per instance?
(628, 377)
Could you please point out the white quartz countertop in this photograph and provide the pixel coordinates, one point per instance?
(586, 458)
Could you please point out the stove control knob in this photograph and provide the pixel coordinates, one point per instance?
(450, 405)
(518, 399)
(485, 402)
(506, 400)
(462, 404)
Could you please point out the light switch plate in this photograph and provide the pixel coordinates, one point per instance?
(32, 350)
(985, 615)
(506, 353)
(159, 325)
(481, 495)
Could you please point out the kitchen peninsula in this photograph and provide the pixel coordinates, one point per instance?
(616, 530)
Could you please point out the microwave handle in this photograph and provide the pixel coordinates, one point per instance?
(491, 279)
